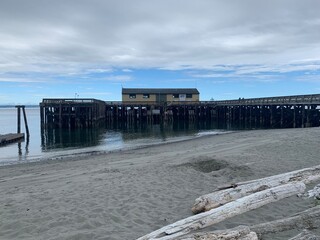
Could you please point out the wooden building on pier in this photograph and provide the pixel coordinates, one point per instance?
(159, 95)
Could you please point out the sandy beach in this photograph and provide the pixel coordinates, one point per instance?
(126, 194)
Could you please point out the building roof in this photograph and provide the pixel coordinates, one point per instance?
(160, 90)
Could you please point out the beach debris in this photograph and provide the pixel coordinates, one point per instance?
(308, 219)
(239, 190)
(228, 210)
(313, 193)
(238, 233)
(306, 235)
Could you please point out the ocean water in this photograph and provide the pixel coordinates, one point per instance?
(58, 143)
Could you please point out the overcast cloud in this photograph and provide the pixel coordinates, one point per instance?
(75, 35)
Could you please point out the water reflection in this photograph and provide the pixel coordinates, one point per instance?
(67, 138)
(121, 133)
(22, 155)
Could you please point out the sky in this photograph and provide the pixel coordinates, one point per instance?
(92, 48)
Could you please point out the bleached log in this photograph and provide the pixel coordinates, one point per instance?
(238, 233)
(226, 211)
(308, 219)
(305, 235)
(313, 193)
(239, 190)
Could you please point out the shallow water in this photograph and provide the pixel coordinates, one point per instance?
(57, 143)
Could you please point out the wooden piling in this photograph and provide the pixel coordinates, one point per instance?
(25, 121)
(18, 119)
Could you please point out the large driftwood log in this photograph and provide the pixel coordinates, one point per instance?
(239, 190)
(226, 211)
(238, 233)
(308, 219)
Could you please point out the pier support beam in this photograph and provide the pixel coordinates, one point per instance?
(19, 107)
(18, 119)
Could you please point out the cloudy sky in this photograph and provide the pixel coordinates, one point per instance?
(91, 48)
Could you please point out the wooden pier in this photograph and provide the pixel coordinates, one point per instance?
(71, 113)
(272, 112)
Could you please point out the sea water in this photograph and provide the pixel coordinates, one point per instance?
(57, 143)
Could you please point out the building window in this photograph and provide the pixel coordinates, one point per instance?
(132, 96)
(145, 96)
(188, 95)
(175, 95)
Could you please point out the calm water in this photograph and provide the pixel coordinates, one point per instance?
(56, 143)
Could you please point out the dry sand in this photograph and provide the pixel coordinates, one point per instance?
(126, 194)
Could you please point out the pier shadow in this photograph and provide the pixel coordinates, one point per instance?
(57, 138)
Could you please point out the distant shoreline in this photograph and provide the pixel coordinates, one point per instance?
(13, 106)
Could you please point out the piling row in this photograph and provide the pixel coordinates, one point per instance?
(275, 112)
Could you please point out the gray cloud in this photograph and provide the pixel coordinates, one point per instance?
(74, 35)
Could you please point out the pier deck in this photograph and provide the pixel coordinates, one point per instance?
(11, 138)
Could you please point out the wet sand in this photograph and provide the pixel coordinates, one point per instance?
(126, 194)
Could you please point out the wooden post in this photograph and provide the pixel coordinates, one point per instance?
(303, 113)
(18, 120)
(25, 121)
(41, 117)
(271, 116)
(294, 116)
(60, 116)
(261, 116)
(308, 117)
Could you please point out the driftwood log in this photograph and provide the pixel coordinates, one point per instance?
(231, 209)
(308, 219)
(238, 233)
(239, 190)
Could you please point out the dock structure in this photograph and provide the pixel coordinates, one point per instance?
(155, 112)
(272, 112)
(72, 113)
(11, 138)
(19, 107)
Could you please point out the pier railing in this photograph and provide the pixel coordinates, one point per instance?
(280, 100)
(69, 100)
(289, 100)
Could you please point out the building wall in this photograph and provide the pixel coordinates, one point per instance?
(153, 98)
(139, 98)
(195, 98)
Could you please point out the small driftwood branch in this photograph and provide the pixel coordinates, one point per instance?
(239, 190)
(305, 235)
(226, 211)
